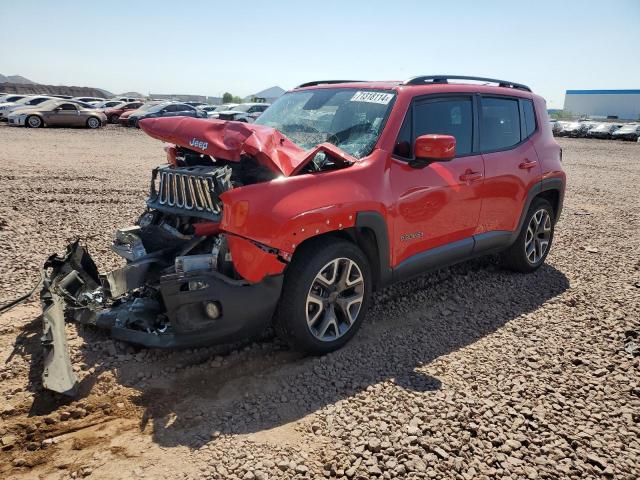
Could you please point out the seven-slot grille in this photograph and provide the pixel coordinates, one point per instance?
(192, 190)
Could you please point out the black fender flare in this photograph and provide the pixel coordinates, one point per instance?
(376, 223)
(544, 185)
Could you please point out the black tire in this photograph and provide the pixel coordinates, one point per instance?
(33, 121)
(291, 315)
(114, 118)
(516, 257)
(92, 124)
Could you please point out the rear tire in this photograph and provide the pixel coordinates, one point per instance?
(325, 296)
(93, 122)
(33, 121)
(532, 246)
(114, 118)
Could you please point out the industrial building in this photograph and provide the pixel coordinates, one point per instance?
(622, 104)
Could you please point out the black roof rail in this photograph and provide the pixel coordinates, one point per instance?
(423, 79)
(326, 82)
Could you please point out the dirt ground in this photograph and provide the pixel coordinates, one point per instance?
(471, 372)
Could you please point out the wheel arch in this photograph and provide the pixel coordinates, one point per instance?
(552, 190)
(370, 234)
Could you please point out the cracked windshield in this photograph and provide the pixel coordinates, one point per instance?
(349, 118)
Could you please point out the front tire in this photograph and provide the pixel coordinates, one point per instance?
(114, 118)
(33, 121)
(326, 293)
(532, 246)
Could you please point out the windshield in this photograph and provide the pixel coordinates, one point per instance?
(348, 118)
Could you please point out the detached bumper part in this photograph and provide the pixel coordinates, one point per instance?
(191, 309)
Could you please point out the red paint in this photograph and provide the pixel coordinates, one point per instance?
(252, 262)
(118, 111)
(204, 229)
(444, 201)
(230, 140)
(435, 147)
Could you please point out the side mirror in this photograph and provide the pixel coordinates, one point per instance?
(57, 109)
(433, 148)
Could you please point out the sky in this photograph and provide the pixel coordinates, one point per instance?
(209, 47)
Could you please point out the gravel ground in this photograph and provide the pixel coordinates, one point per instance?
(468, 373)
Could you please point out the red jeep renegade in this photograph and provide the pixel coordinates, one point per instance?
(338, 189)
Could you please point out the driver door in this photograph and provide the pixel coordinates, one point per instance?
(64, 114)
(437, 205)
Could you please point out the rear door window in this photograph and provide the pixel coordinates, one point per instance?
(499, 123)
(446, 116)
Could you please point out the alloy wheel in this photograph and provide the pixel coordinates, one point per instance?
(34, 121)
(538, 236)
(335, 299)
(93, 122)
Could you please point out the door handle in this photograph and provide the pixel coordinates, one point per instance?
(527, 164)
(470, 176)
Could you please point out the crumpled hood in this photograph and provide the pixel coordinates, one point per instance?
(229, 140)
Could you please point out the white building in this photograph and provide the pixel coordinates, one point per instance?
(623, 104)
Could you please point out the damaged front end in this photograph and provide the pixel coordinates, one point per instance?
(180, 286)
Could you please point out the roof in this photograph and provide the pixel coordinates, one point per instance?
(272, 92)
(603, 92)
(426, 88)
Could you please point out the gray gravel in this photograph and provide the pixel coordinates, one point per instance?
(468, 373)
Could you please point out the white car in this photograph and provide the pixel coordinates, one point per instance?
(88, 99)
(107, 104)
(221, 108)
(26, 102)
(7, 100)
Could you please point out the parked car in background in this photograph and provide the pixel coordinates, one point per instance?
(26, 102)
(166, 110)
(89, 99)
(123, 119)
(577, 129)
(113, 114)
(107, 104)
(59, 113)
(221, 108)
(630, 131)
(128, 99)
(245, 112)
(556, 126)
(195, 104)
(64, 97)
(11, 98)
(603, 130)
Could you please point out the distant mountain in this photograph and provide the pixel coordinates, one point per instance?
(130, 95)
(15, 79)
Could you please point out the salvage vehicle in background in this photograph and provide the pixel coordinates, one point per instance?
(113, 114)
(221, 108)
(577, 129)
(58, 113)
(10, 98)
(631, 131)
(26, 102)
(89, 99)
(123, 119)
(603, 130)
(107, 104)
(170, 109)
(337, 190)
(245, 112)
(8, 101)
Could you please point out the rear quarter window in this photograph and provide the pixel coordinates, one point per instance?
(529, 118)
